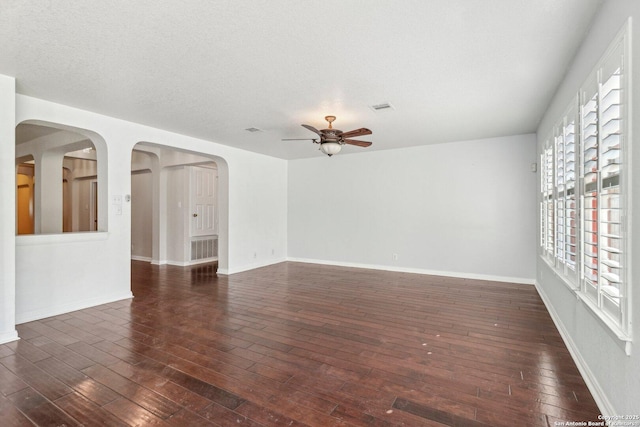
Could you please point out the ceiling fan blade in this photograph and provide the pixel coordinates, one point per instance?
(356, 132)
(297, 139)
(358, 143)
(312, 129)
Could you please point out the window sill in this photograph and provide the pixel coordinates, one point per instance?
(49, 239)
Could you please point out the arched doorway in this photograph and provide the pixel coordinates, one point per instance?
(170, 224)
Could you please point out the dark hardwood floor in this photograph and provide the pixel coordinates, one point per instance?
(292, 345)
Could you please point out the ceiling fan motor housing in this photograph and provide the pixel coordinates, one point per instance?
(332, 135)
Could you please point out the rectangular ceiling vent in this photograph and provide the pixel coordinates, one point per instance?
(253, 130)
(382, 107)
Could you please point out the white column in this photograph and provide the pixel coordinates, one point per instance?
(160, 203)
(7, 209)
(48, 192)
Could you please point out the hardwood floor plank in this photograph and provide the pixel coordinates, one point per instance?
(36, 378)
(265, 417)
(69, 357)
(185, 418)
(40, 410)
(153, 380)
(444, 417)
(141, 396)
(42, 329)
(78, 381)
(11, 416)
(10, 382)
(211, 392)
(93, 353)
(87, 412)
(79, 334)
(134, 415)
(27, 350)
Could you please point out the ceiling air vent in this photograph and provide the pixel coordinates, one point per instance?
(253, 130)
(382, 107)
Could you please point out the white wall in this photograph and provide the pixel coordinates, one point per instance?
(261, 187)
(58, 273)
(613, 377)
(7, 209)
(463, 209)
(141, 215)
(177, 202)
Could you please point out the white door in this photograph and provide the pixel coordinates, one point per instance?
(203, 201)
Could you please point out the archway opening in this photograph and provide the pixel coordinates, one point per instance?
(179, 206)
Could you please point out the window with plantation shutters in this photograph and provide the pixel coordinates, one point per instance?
(584, 191)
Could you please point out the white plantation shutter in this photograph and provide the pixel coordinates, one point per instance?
(571, 204)
(589, 144)
(612, 245)
(565, 194)
(560, 197)
(547, 204)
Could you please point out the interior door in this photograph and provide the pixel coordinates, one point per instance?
(203, 198)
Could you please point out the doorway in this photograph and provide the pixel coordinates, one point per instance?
(179, 206)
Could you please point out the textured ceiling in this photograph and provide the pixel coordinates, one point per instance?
(453, 69)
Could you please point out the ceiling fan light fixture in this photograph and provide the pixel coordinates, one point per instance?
(330, 148)
(332, 140)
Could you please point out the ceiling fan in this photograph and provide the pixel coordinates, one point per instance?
(331, 140)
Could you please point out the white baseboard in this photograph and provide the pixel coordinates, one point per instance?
(176, 263)
(190, 263)
(9, 336)
(605, 406)
(248, 267)
(492, 278)
(43, 313)
(140, 258)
